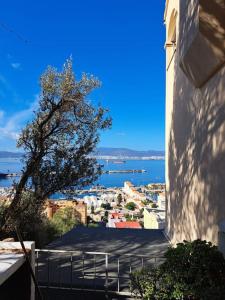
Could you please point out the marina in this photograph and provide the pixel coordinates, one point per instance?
(155, 172)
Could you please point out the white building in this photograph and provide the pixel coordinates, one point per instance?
(161, 201)
(115, 217)
(154, 218)
(130, 190)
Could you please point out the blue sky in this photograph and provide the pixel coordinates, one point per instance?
(119, 41)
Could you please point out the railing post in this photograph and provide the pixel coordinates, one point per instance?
(83, 269)
(118, 275)
(95, 271)
(130, 274)
(48, 269)
(71, 270)
(106, 272)
(37, 267)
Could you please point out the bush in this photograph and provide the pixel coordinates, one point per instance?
(130, 206)
(64, 220)
(106, 206)
(143, 283)
(193, 270)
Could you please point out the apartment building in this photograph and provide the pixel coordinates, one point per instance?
(79, 208)
(195, 120)
(154, 218)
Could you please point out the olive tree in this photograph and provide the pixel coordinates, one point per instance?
(60, 139)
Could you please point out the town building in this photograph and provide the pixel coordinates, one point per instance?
(154, 218)
(195, 120)
(79, 209)
(128, 225)
(130, 190)
(115, 217)
(161, 201)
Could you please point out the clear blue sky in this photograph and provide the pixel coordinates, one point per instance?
(119, 41)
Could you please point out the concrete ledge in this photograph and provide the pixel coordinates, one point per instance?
(9, 264)
(12, 258)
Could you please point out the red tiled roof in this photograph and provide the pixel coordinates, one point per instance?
(116, 215)
(129, 224)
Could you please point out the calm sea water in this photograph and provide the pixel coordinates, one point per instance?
(155, 172)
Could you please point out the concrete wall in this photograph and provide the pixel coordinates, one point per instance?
(195, 121)
(15, 277)
(152, 220)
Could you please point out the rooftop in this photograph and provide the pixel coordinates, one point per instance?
(130, 224)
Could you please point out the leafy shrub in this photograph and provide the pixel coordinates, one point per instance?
(193, 270)
(143, 283)
(106, 206)
(64, 220)
(130, 206)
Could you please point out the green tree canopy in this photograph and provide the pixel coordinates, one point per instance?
(130, 206)
(60, 138)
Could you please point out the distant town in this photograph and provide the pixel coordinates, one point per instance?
(130, 206)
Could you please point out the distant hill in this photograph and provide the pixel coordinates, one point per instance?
(7, 154)
(124, 152)
(103, 151)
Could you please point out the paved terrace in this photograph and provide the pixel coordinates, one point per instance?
(128, 249)
(110, 240)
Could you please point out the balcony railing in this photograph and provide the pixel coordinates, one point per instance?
(89, 271)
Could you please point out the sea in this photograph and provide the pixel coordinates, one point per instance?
(155, 172)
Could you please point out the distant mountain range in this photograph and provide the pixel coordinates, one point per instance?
(128, 153)
(104, 152)
(7, 154)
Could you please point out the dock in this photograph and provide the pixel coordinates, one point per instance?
(123, 171)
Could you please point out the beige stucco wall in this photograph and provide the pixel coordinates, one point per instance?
(150, 221)
(195, 135)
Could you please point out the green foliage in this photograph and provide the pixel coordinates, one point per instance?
(92, 209)
(64, 220)
(93, 225)
(192, 270)
(2, 210)
(58, 141)
(154, 205)
(143, 283)
(119, 199)
(31, 221)
(106, 206)
(130, 206)
(130, 218)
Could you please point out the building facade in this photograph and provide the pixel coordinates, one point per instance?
(79, 209)
(195, 120)
(154, 218)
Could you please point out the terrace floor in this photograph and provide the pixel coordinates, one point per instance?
(98, 260)
(116, 241)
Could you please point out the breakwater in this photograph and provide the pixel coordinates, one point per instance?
(123, 171)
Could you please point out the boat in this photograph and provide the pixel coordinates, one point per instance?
(118, 161)
(3, 175)
(6, 175)
(115, 161)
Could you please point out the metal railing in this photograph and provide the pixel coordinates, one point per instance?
(90, 271)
